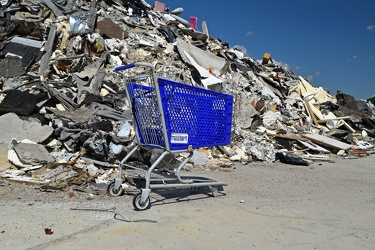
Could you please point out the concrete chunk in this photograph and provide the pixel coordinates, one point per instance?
(12, 127)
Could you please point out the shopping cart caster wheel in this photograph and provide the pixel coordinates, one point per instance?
(141, 206)
(112, 191)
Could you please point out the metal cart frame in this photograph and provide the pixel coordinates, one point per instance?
(171, 116)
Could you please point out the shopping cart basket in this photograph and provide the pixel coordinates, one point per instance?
(175, 117)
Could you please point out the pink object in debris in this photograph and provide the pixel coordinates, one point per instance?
(159, 6)
(193, 22)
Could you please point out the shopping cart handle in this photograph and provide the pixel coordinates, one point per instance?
(123, 67)
(135, 64)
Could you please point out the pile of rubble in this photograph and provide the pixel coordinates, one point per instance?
(63, 111)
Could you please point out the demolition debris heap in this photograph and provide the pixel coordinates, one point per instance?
(64, 112)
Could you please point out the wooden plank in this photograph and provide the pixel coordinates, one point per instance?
(328, 142)
(347, 126)
(314, 147)
(367, 121)
(317, 158)
(334, 118)
(48, 47)
(311, 113)
(290, 137)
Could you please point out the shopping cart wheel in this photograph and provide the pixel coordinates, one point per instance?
(141, 206)
(112, 191)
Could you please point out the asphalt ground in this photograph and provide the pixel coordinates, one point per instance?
(327, 205)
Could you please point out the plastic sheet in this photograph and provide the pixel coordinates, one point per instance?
(77, 25)
(291, 159)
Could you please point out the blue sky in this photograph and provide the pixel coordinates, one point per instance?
(329, 42)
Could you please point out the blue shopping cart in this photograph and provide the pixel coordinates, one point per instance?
(175, 117)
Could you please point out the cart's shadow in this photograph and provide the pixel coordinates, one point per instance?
(176, 195)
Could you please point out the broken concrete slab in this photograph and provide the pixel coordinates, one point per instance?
(14, 127)
(13, 158)
(31, 153)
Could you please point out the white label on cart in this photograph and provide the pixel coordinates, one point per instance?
(179, 138)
